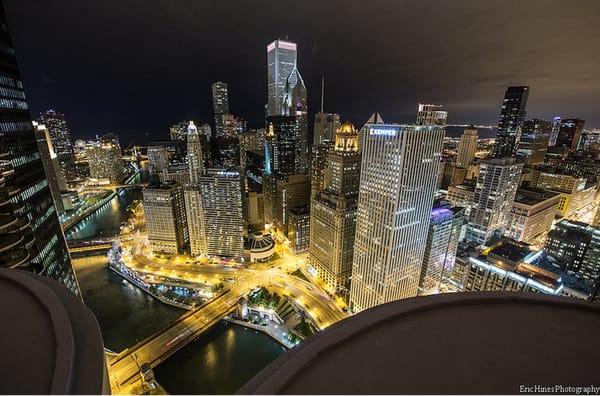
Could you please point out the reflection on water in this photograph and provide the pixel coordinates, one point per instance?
(125, 313)
(218, 362)
(106, 221)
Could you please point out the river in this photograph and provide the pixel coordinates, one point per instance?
(218, 362)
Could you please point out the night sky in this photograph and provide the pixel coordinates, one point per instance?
(136, 66)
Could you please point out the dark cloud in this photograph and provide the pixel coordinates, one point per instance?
(136, 66)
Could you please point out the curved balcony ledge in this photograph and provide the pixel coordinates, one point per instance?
(461, 343)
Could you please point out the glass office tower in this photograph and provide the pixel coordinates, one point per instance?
(30, 235)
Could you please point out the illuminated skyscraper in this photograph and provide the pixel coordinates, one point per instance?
(333, 213)
(494, 195)
(512, 116)
(281, 145)
(224, 122)
(164, 208)
(281, 61)
(296, 104)
(194, 154)
(106, 160)
(569, 134)
(59, 133)
(222, 212)
(431, 114)
(158, 160)
(56, 179)
(467, 147)
(442, 242)
(397, 184)
(220, 98)
(555, 131)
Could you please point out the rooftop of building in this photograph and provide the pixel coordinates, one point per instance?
(509, 251)
(570, 280)
(470, 187)
(299, 210)
(50, 341)
(532, 196)
(444, 344)
(162, 185)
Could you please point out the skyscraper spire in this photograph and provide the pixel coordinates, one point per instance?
(322, 91)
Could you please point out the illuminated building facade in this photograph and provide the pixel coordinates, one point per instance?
(56, 179)
(467, 147)
(106, 160)
(281, 61)
(333, 213)
(431, 114)
(532, 214)
(510, 125)
(60, 134)
(569, 134)
(166, 222)
(443, 237)
(493, 198)
(195, 158)
(221, 194)
(394, 206)
(318, 165)
(220, 99)
(158, 160)
(299, 228)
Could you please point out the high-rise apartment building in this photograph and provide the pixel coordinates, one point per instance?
(225, 123)
(158, 160)
(493, 198)
(510, 125)
(220, 98)
(532, 214)
(536, 128)
(59, 133)
(431, 114)
(299, 228)
(166, 223)
(106, 160)
(467, 147)
(178, 131)
(569, 134)
(290, 191)
(333, 213)
(394, 205)
(554, 132)
(56, 179)
(444, 233)
(281, 61)
(576, 247)
(221, 194)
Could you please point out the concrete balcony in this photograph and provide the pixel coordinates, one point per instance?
(50, 341)
(463, 343)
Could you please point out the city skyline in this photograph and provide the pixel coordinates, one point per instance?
(238, 220)
(470, 97)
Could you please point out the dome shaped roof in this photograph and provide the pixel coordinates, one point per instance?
(347, 127)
